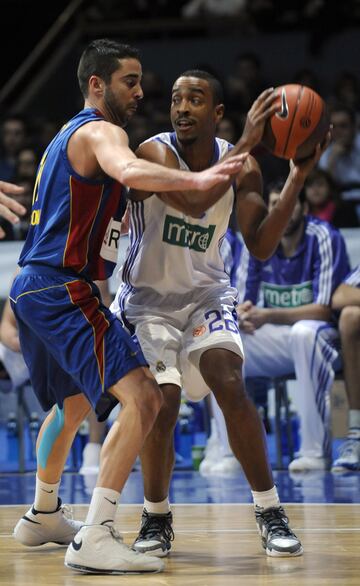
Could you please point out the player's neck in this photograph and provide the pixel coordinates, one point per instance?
(290, 243)
(197, 155)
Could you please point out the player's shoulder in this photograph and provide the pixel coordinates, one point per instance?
(159, 148)
(320, 229)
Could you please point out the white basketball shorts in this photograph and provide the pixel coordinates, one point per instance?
(172, 343)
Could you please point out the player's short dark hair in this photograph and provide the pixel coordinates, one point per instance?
(101, 57)
(214, 83)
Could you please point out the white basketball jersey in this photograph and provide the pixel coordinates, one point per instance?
(173, 258)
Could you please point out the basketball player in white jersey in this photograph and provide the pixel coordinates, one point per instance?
(177, 296)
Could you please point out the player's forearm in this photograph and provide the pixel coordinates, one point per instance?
(141, 174)
(345, 295)
(289, 316)
(270, 231)
(194, 203)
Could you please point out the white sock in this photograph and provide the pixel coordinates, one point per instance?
(160, 508)
(46, 496)
(354, 423)
(103, 506)
(266, 498)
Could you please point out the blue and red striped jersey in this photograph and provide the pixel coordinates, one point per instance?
(72, 215)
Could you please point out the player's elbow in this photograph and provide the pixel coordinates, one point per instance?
(127, 172)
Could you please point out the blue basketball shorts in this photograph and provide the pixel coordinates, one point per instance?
(70, 341)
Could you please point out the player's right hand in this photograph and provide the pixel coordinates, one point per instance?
(219, 173)
(263, 107)
(9, 208)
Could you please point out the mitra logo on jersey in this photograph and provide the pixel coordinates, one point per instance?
(180, 233)
(287, 296)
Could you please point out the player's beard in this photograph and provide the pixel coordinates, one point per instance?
(115, 110)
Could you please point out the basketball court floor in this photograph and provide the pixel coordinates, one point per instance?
(216, 541)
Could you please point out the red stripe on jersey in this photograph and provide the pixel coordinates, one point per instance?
(81, 295)
(85, 201)
(97, 267)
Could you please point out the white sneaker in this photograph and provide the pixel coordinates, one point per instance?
(36, 528)
(212, 454)
(306, 463)
(91, 458)
(227, 466)
(349, 456)
(99, 549)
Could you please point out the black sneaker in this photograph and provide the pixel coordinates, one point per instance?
(276, 535)
(155, 534)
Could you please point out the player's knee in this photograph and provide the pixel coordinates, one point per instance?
(349, 323)
(302, 332)
(76, 408)
(148, 402)
(167, 417)
(230, 390)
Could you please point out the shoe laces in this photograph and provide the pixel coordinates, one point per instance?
(349, 447)
(156, 525)
(276, 521)
(67, 511)
(115, 534)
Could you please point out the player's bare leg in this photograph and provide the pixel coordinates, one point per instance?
(47, 520)
(98, 547)
(222, 372)
(157, 462)
(245, 428)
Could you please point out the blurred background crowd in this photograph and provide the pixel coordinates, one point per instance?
(245, 44)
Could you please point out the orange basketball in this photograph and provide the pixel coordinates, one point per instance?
(301, 123)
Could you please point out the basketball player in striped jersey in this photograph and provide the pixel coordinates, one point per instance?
(293, 331)
(78, 354)
(177, 296)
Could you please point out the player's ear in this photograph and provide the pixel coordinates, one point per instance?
(219, 112)
(96, 84)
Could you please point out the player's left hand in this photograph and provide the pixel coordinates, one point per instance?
(300, 169)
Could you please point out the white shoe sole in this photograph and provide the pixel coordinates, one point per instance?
(88, 570)
(283, 554)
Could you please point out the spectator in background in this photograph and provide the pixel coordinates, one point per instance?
(346, 91)
(322, 197)
(342, 158)
(214, 8)
(245, 82)
(27, 163)
(346, 299)
(229, 129)
(13, 139)
(293, 332)
(308, 77)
